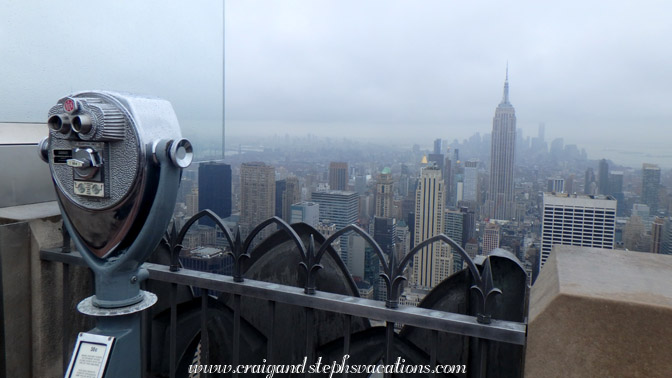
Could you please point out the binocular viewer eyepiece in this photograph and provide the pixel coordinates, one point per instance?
(80, 124)
(87, 118)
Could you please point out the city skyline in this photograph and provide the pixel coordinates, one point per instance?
(597, 76)
(308, 117)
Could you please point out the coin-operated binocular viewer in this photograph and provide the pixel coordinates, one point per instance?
(116, 162)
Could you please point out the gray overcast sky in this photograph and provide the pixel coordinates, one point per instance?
(597, 73)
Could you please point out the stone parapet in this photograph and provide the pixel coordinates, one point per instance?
(601, 313)
(32, 293)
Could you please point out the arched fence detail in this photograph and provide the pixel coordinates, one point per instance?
(392, 275)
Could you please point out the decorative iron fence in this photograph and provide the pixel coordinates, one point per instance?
(272, 313)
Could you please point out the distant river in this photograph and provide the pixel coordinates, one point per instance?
(634, 158)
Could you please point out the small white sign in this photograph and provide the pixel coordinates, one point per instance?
(89, 358)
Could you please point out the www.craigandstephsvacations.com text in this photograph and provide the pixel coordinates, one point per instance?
(331, 368)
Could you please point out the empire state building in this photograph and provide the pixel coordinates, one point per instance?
(500, 202)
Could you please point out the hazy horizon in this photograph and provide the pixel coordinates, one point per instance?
(597, 76)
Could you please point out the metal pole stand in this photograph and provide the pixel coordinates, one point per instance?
(123, 324)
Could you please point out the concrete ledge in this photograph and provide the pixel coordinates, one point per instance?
(40, 320)
(601, 313)
(23, 213)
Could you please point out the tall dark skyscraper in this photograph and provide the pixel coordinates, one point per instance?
(615, 182)
(468, 225)
(616, 190)
(589, 186)
(448, 179)
(453, 227)
(437, 146)
(384, 233)
(501, 201)
(338, 175)
(214, 190)
(603, 177)
(291, 196)
(280, 187)
(650, 186)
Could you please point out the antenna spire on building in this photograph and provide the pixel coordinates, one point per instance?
(505, 97)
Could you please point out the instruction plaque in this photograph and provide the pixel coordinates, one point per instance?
(89, 358)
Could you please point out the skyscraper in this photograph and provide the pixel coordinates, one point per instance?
(191, 201)
(556, 184)
(360, 184)
(539, 143)
(454, 225)
(451, 189)
(306, 212)
(470, 186)
(666, 238)
(338, 175)
(432, 264)
(650, 186)
(603, 177)
(657, 228)
(491, 237)
(581, 220)
(616, 190)
(615, 182)
(384, 233)
(635, 237)
(438, 159)
(448, 176)
(469, 224)
(340, 208)
(501, 201)
(589, 182)
(437, 146)
(214, 190)
(384, 194)
(291, 195)
(557, 148)
(257, 195)
(453, 228)
(569, 184)
(280, 187)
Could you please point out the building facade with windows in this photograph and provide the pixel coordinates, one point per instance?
(579, 220)
(340, 208)
(432, 264)
(214, 190)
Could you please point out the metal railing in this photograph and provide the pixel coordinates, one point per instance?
(481, 328)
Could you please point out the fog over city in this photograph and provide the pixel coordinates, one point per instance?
(596, 74)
